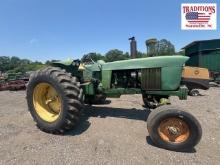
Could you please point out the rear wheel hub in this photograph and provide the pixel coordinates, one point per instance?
(47, 102)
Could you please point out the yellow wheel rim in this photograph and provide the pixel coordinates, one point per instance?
(174, 130)
(47, 102)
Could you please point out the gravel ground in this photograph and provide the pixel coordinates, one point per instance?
(114, 133)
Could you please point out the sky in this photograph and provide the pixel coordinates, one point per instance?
(60, 29)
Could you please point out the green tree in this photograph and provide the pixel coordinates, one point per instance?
(94, 56)
(141, 54)
(25, 61)
(17, 65)
(4, 63)
(49, 62)
(165, 47)
(15, 62)
(116, 55)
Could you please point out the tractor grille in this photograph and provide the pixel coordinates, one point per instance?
(151, 79)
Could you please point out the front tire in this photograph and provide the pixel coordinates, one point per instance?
(173, 129)
(54, 100)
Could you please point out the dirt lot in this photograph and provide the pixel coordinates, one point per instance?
(114, 133)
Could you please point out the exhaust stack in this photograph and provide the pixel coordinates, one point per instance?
(133, 47)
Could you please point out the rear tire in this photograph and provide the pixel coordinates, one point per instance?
(70, 95)
(194, 92)
(173, 129)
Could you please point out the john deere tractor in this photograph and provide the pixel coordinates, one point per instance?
(56, 95)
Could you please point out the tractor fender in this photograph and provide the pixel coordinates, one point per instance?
(69, 66)
(62, 64)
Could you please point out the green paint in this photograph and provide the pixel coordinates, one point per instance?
(182, 93)
(171, 77)
(171, 69)
(106, 79)
(66, 62)
(150, 62)
(193, 61)
(217, 79)
(203, 45)
(117, 92)
(211, 60)
(88, 88)
(90, 71)
(69, 67)
(205, 53)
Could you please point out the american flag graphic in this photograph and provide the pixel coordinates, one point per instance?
(196, 17)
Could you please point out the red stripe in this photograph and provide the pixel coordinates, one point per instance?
(198, 21)
(203, 19)
(204, 16)
(190, 23)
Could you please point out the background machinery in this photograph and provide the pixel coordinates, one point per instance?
(205, 54)
(13, 82)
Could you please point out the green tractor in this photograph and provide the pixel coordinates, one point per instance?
(56, 95)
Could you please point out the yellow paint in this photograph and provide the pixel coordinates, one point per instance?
(47, 102)
(81, 67)
(195, 72)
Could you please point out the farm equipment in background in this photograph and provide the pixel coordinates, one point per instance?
(195, 78)
(56, 95)
(14, 82)
(205, 54)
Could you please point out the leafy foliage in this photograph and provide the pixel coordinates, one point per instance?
(161, 47)
(141, 55)
(94, 56)
(115, 54)
(17, 65)
(165, 47)
(49, 62)
(112, 55)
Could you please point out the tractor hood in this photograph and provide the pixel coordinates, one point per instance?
(149, 62)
